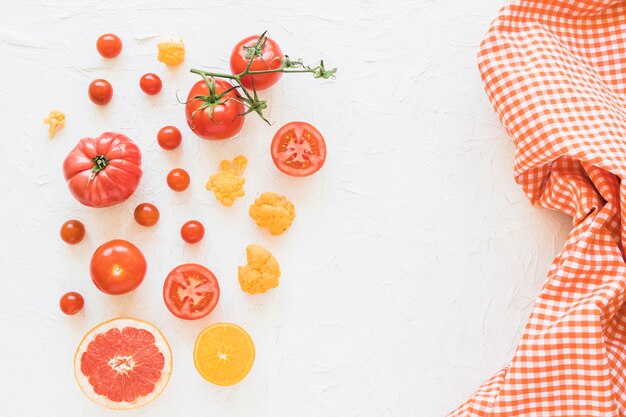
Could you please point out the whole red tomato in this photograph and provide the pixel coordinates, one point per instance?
(224, 122)
(100, 92)
(117, 267)
(103, 171)
(271, 58)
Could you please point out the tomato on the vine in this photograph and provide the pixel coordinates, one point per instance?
(117, 267)
(192, 231)
(72, 232)
(298, 149)
(178, 179)
(150, 83)
(214, 121)
(109, 45)
(146, 214)
(71, 303)
(191, 291)
(100, 91)
(169, 137)
(271, 58)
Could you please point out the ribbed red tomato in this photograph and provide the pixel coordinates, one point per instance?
(103, 171)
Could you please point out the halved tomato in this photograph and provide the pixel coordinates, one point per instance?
(298, 149)
(191, 291)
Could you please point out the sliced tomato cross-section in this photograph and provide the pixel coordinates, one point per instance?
(298, 149)
(191, 291)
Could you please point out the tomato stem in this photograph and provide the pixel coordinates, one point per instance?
(251, 99)
(100, 162)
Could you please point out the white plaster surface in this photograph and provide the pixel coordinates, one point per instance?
(414, 260)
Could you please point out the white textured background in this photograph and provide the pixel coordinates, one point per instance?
(414, 259)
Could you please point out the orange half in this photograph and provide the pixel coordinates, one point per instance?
(223, 354)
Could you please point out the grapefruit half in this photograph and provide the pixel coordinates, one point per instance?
(123, 363)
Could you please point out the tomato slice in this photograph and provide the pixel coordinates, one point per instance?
(191, 291)
(298, 149)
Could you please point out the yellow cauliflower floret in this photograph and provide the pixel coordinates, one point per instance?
(171, 53)
(261, 273)
(273, 211)
(227, 183)
(55, 121)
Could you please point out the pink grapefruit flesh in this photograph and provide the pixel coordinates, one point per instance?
(123, 363)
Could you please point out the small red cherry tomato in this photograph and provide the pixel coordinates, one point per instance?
(298, 149)
(150, 83)
(169, 137)
(72, 232)
(192, 231)
(100, 92)
(146, 214)
(71, 303)
(191, 291)
(178, 179)
(109, 45)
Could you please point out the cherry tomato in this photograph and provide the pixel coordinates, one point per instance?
(71, 303)
(146, 214)
(192, 231)
(150, 83)
(72, 232)
(191, 291)
(225, 121)
(169, 137)
(117, 267)
(298, 149)
(109, 45)
(100, 92)
(271, 58)
(178, 179)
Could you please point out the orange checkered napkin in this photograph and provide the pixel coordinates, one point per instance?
(555, 71)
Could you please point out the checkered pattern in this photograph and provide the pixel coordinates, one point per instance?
(555, 71)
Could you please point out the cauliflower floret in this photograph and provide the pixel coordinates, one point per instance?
(261, 273)
(227, 183)
(55, 121)
(171, 53)
(273, 211)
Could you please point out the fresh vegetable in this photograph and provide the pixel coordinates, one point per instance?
(123, 363)
(192, 231)
(213, 108)
(150, 83)
(103, 171)
(109, 45)
(178, 179)
(71, 303)
(117, 267)
(191, 291)
(100, 92)
(261, 273)
(169, 137)
(267, 56)
(227, 183)
(273, 211)
(171, 53)
(254, 55)
(146, 214)
(55, 121)
(72, 232)
(223, 354)
(298, 149)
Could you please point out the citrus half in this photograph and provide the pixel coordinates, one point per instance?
(223, 354)
(123, 363)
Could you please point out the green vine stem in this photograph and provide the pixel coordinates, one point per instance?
(250, 98)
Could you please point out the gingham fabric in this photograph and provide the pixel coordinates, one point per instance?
(555, 72)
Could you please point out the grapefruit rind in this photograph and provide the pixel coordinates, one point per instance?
(199, 353)
(120, 323)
